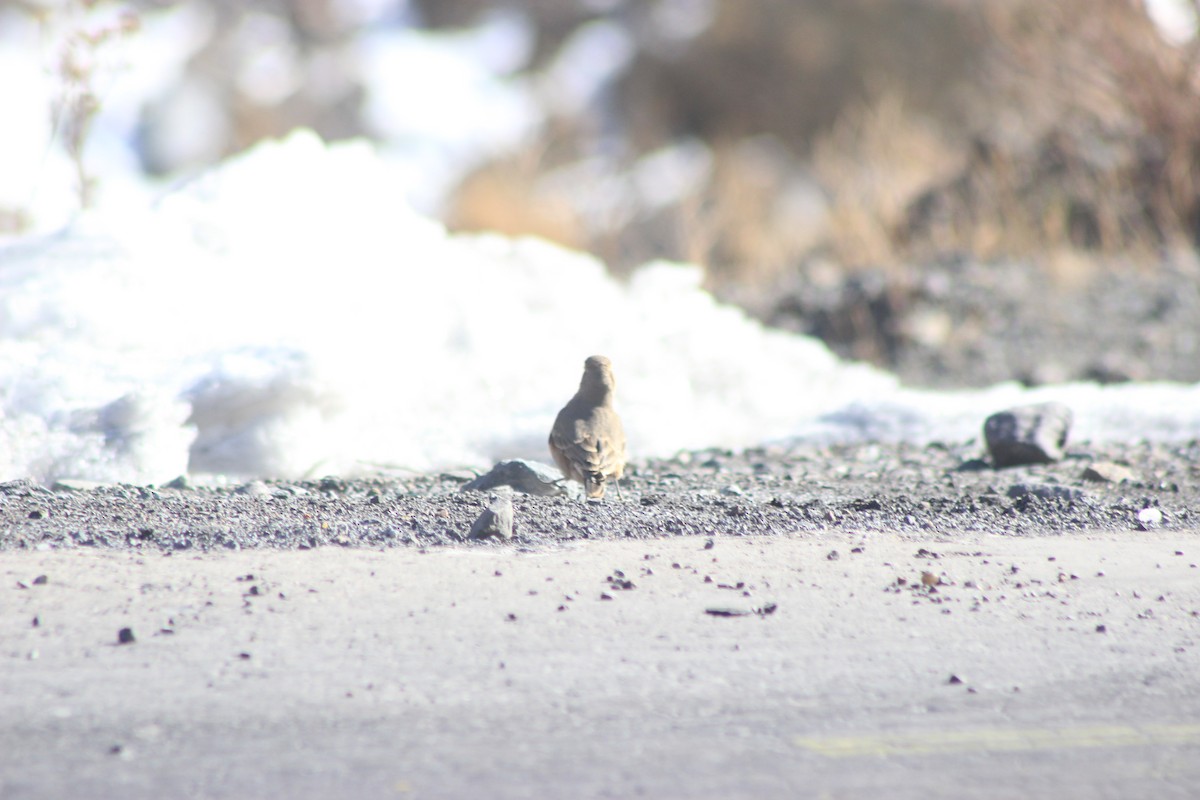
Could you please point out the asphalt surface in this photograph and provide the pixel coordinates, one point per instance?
(816, 664)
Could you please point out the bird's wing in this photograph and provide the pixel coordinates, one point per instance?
(600, 442)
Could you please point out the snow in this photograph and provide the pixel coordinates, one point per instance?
(288, 315)
(294, 311)
(1176, 19)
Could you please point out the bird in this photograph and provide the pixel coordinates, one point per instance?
(588, 440)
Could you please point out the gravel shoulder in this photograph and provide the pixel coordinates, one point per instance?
(903, 490)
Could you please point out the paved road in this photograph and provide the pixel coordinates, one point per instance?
(488, 673)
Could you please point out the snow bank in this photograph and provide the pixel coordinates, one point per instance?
(287, 315)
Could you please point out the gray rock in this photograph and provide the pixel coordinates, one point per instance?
(254, 489)
(1108, 472)
(496, 519)
(530, 477)
(1033, 434)
(181, 482)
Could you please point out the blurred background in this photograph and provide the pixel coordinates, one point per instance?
(961, 191)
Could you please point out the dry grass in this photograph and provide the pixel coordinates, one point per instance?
(1096, 146)
(876, 161)
(1081, 132)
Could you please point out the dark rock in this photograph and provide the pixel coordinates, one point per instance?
(728, 612)
(125, 636)
(1034, 434)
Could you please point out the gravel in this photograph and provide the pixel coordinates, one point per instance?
(962, 322)
(900, 489)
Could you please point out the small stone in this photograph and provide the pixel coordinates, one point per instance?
(496, 519)
(1101, 629)
(1108, 472)
(833, 555)
(40, 580)
(1149, 518)
(954, 680)
(929, 579)
(125, 636)
(1032, 434)
(1043, 491)
(728, 612)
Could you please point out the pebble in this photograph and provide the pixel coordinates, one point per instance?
(1149, 518)
(496, 520)
(1108, 472)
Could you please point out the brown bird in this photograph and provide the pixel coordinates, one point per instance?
(588, 440)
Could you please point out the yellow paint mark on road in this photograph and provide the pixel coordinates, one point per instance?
(926, 743)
